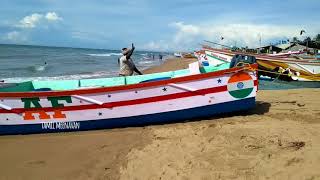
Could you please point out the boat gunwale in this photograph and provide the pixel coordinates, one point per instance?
(124, 87)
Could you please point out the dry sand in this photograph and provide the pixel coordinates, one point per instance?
(279, 139)
(171, 65)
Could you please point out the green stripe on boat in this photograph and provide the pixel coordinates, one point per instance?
(239, 94)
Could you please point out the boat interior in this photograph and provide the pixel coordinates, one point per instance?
(62, 85)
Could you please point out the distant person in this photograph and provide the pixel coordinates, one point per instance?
(160, 57)
(127, 67)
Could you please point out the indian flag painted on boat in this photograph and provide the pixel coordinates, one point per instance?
(240, 85)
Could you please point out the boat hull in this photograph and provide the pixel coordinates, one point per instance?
(307, 71)
(159, 118)
(172, 100)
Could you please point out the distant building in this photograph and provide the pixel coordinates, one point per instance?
(297, 47)
(293, 47)
(270, 49)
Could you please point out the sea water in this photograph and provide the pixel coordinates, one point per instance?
(20, 63)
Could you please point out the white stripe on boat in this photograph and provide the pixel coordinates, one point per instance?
(84, 98)
(3, 106)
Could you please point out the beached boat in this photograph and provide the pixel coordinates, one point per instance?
(188, 55)
(73, 105)
(179, 55)
(217, 58)
(300, 70)
(211, 60)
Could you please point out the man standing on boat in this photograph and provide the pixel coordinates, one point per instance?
(127, 67)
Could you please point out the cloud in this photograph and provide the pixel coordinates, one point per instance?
(187, 36)
(35, 19)
(160, 45)
(30, 21)
(15, 37)
(52, 16)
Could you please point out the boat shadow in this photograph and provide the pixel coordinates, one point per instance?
(260, 109)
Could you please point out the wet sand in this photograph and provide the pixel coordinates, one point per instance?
(278, 139)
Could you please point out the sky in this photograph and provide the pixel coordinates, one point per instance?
(157, 25)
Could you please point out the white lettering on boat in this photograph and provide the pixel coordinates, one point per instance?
(61, 125)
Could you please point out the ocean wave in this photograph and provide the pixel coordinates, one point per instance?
(146, 62)
(105, 54)
(35, 68)
(63, 77)
(40, 68)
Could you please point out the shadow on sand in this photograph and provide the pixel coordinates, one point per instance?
(260, 109)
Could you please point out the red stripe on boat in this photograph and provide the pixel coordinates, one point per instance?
(126, 103)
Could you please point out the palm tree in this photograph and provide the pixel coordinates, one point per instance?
(317, 38)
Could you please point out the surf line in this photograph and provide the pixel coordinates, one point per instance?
(61, 125)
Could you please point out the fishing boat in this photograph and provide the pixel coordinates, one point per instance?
(211, 60)
(291, 69)
(179, 55)
(87, 104)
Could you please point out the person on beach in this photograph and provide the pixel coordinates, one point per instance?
(127, 67)
(160, 57)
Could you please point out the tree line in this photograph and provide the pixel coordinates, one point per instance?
(308, 41)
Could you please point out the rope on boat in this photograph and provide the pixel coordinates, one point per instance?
(282, 72)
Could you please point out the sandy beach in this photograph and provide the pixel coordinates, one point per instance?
(278, 139)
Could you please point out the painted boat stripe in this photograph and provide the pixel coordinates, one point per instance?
(172, 116)
(241, 93)
(125, 103)
(217, 58)
(246, 84)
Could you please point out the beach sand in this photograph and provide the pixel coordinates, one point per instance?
(278, 139)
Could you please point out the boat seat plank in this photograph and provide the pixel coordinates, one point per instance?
(146, 77)
(102, 82)
(56, 85)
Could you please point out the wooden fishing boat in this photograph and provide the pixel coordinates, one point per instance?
(74, 105)
(301, 70)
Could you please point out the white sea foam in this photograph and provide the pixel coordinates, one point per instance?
(146, 62)
(40, 68)
(64, 77)
(105, 54)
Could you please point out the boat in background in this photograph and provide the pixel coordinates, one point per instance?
(179, 55)
(87, 104)
(292, 69)
(286, 55)
(188, 55)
